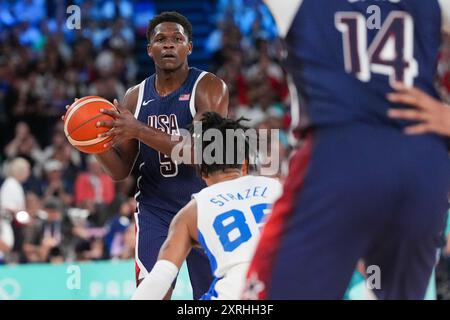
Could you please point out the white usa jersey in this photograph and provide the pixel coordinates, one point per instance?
(230, 216)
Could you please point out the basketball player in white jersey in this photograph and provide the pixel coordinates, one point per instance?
(225, 219)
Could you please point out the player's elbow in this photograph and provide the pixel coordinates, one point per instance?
(118, 176)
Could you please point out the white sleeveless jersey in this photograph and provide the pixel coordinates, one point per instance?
(230, 216)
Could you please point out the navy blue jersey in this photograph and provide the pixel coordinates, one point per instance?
(344, 56)
(163, 185)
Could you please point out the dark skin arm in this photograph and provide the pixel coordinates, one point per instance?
(182, 235)
(212, 95)
(119, 160)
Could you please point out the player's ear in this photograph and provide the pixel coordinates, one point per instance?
(149, 50)
(191, 47)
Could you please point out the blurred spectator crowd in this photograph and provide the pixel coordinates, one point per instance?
(246, 53)
(444, 70)
(56, 203)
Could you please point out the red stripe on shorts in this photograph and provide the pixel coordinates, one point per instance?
(137, 270)
(259, 273)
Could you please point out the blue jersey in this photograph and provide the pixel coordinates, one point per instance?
(358, 188)
(344, 56)
(163, 185)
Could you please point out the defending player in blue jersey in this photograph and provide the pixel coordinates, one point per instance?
(224, 219)
(150, 113)
(359, 187)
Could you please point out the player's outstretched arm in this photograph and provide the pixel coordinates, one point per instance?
(182, 235)
(180, 240)
(433, 116)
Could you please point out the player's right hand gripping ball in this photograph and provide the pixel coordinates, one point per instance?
(80, 124)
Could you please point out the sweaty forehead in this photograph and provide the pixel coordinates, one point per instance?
(168, 27)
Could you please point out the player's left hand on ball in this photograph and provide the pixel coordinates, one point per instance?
(123, 127)
(433, 115)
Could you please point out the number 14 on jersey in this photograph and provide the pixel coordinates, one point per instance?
(391, 53)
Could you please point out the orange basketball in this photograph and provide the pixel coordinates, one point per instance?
(80, 124)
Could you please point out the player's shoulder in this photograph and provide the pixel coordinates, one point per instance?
(211, 81)
(131, 97)
(266, 180)
(211, 94)
(252, 180)
(188, 210)
(273, 186)
(215, 188)
(133, 90)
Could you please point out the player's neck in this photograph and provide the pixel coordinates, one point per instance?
(167, 81)
(222, 177)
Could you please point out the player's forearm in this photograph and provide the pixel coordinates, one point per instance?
(117, 163)
(156, 284)
(112, 164)
(158, 140)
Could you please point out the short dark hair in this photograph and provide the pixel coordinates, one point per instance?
(169, 16)
(213, 120)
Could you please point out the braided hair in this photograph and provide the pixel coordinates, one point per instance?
(235, 144)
